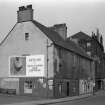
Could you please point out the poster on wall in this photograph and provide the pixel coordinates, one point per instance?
(26, 66)
(17, 66)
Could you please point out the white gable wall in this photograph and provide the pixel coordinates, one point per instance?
(15, 44)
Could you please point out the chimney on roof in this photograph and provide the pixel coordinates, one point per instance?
(101, 40)
(61, 29)
(25, 14)
(98, 35)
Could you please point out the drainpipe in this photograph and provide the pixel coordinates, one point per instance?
(48, 45)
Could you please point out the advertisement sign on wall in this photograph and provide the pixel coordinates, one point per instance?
(35, 65)
(26, 65)
(17, 66)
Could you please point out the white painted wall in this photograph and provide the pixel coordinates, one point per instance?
(15, 44)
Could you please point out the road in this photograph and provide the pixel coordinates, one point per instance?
(94, 100)
(98, 99)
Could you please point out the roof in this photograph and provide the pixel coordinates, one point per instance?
(54, 36)
(7, 35)
(81, 35)
(58, 40)
(76, 48)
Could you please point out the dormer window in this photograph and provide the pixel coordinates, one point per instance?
(26, 36)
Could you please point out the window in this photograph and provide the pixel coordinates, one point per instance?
(50, 84)
(28, 86)
(74, 60)
(89, 53)
(60, 88)
(26, 36)
(88, 44)
(60, 52)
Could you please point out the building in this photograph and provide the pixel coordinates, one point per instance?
(41, 61)
(103, 83)
(93, 46)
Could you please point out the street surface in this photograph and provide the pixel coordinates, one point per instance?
(98, 99)
(92, 100)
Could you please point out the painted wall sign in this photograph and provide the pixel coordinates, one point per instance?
(26, 66)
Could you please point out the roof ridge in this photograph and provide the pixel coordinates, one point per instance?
(80, 34)
(7, 35)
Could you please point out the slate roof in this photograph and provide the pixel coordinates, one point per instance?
(58, 40)
(81, 35)
(54, 36)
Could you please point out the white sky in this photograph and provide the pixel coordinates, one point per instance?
(79, 15)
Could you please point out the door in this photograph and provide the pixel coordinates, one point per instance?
(68, 86)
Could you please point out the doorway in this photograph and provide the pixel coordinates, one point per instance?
(68, 85)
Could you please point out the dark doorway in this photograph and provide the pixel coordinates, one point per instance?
(99, 84)
(68, 85)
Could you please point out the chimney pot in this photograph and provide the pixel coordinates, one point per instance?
(22, 8)
(61, 29)
(29, 6)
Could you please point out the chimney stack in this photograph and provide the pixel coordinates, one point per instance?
(25, 14)
(61, 29)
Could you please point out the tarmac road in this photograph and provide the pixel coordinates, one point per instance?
(94, 100)
(98, 99)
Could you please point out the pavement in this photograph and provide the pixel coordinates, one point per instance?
(101, 92)
(52, 101)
